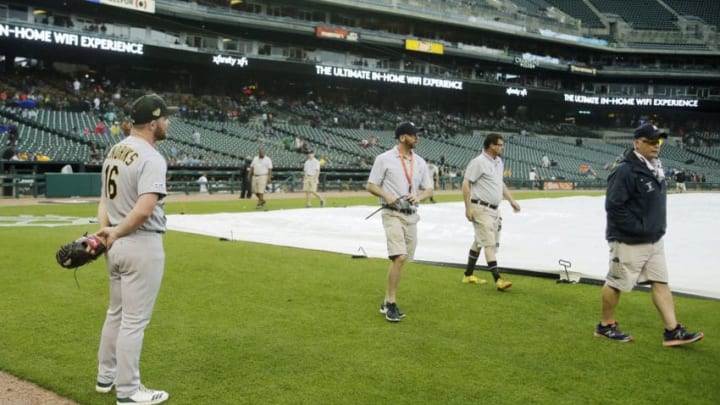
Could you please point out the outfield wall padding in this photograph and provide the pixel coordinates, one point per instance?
(72, 185)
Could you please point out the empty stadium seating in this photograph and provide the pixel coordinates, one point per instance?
(225, 144)
(579, 10)
(640, 14)
(708, 11)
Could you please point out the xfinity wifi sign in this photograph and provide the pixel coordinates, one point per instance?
(386, 77)
(64, 38)
(630, 101)
(229, 60)
(511, 91)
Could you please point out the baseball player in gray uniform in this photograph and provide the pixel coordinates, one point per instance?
(483, 188)
(401, 179)
(261, 174)
(132, 221)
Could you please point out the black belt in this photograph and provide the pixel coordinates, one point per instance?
(400, 210)
(259, 175)
(151, 231)
(484, 203)
(147, 230)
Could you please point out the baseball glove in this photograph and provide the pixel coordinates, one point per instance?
(79, 252)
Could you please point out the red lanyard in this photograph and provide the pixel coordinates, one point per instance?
(408, 176)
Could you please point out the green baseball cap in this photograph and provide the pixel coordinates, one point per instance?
(150, 107)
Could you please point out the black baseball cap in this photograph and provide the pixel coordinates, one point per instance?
(649, 131)
(150, 107)
(408, 128)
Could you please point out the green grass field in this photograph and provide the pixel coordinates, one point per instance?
(244, 323)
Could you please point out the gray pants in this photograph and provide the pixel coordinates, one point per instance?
(135, 265)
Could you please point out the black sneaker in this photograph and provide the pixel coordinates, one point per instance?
(393, 313)
(384, 310)
(679, 336)
(612, 332)
(104, 388)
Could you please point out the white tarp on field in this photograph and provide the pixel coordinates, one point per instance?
(545, 231)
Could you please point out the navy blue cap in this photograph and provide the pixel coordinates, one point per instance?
(407, 128)
(650, 131)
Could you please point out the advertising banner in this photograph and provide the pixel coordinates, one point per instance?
(583, 70)
(388, 77)
(424, 46)
(637, 101)
(69, 39)
(558, 185)
(147, 6)
(336, 33)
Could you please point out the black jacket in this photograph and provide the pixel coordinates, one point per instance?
(635, 203)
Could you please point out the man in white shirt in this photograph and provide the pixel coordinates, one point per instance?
(203, 181)
(311, 171)
(434, 175)
(534, 179)
(400, 177)
(261, 174)
(483, 189)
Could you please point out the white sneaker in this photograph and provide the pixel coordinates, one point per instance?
(145, 396)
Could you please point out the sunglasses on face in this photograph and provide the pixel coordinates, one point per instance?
(653, 142)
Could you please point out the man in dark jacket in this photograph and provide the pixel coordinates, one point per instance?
(635, 204)
(245, 186)
(680, 181)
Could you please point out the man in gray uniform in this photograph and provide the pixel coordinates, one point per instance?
(483, 189)
(401, 179)
(132, 221)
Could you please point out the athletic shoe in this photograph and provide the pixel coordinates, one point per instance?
(612, 332)
(104, 388)
(503, 284)
(679, 336)
(322, 203)
(384, 309)
(392, 313)
(473, 280)
(308, 205)
(145, 396)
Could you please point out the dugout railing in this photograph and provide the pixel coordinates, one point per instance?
(19, 185)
